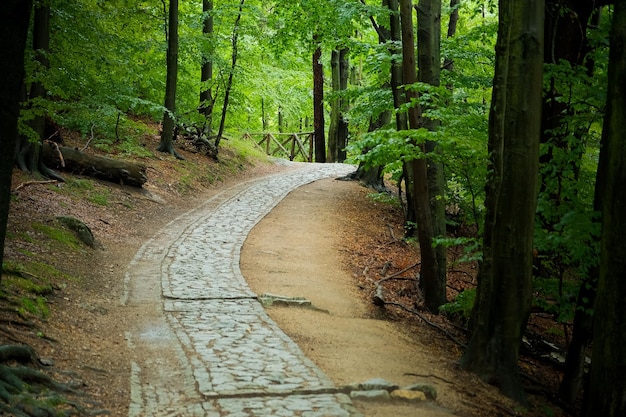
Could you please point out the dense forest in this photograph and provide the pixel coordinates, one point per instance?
(501, 121)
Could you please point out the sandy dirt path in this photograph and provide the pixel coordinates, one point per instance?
(295, 251)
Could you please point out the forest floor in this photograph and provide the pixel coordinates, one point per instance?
(63, 298)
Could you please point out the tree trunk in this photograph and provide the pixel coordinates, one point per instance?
(429, 64)
(229, 84)
(607, 388)
(342, 128)
(338, 130)
(372, 176)
(335, 104)
(207, 101)
(109, 169)
(318, 105)
(14, 21)
(418, 167)
(28, 155)
(397, 81)
(167, 134)
(504, 292)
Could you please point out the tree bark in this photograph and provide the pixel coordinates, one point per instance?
(418, 167)
(109, 169)
(318, 105)
(207, 101)
(429, 64)
(335, 104)
(28, 156)
(14, 21)
(338, 129)
(504, 292)
(607, 388)
(229, 84)
(167, 134)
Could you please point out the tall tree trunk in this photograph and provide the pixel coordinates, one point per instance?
(229, 84)
(318, 105)
(607, 388)
(397, 81)
(14, 21)
(418, 167)
(29, 153)
(504, 293)
(334, 107)
(207, 101)
(342, 130)
(167, 133)
(338, 130)
(429, 64)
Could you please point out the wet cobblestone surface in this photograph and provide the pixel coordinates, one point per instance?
(202, 344)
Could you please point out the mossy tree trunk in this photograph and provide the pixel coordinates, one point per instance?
(504, 292)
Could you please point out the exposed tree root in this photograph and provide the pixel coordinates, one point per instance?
(27, 392)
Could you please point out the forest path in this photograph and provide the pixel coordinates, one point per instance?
(201, 343)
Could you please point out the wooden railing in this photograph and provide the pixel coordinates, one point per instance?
(286, 145)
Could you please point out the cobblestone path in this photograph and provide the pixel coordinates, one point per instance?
(201, 343)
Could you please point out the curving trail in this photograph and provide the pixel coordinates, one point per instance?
(201, 343)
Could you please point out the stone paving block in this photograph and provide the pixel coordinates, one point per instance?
(241, 348)
(324, 405)
(225, 344)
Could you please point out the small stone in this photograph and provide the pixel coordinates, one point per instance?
(46, 361)
(429, 390)
(378, 384)
(408, 395)
(372, 395)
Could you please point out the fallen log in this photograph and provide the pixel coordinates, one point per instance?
(72, 160)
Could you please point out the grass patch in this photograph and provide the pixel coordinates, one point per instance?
(101, 198)
(37, 306)
(58, 234)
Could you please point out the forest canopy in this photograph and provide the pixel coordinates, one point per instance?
(422, 94)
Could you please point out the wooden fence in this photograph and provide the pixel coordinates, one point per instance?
(286, 145)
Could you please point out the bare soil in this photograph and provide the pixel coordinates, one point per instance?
(327, 241)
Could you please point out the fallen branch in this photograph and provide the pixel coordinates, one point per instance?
(378, 298)
(27, 183)
(425, 320)
(408, 268)
(429, 376)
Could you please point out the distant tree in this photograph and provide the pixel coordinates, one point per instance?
(229, 84)
(14, 21)
(318, 105)
(207, 99)
(504, 292)
(169, 116)
(607, 385)
(338, 129)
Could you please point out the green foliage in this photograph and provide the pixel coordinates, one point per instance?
(567, 228)
(385, 198)
(472, 248)
(461, 306)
